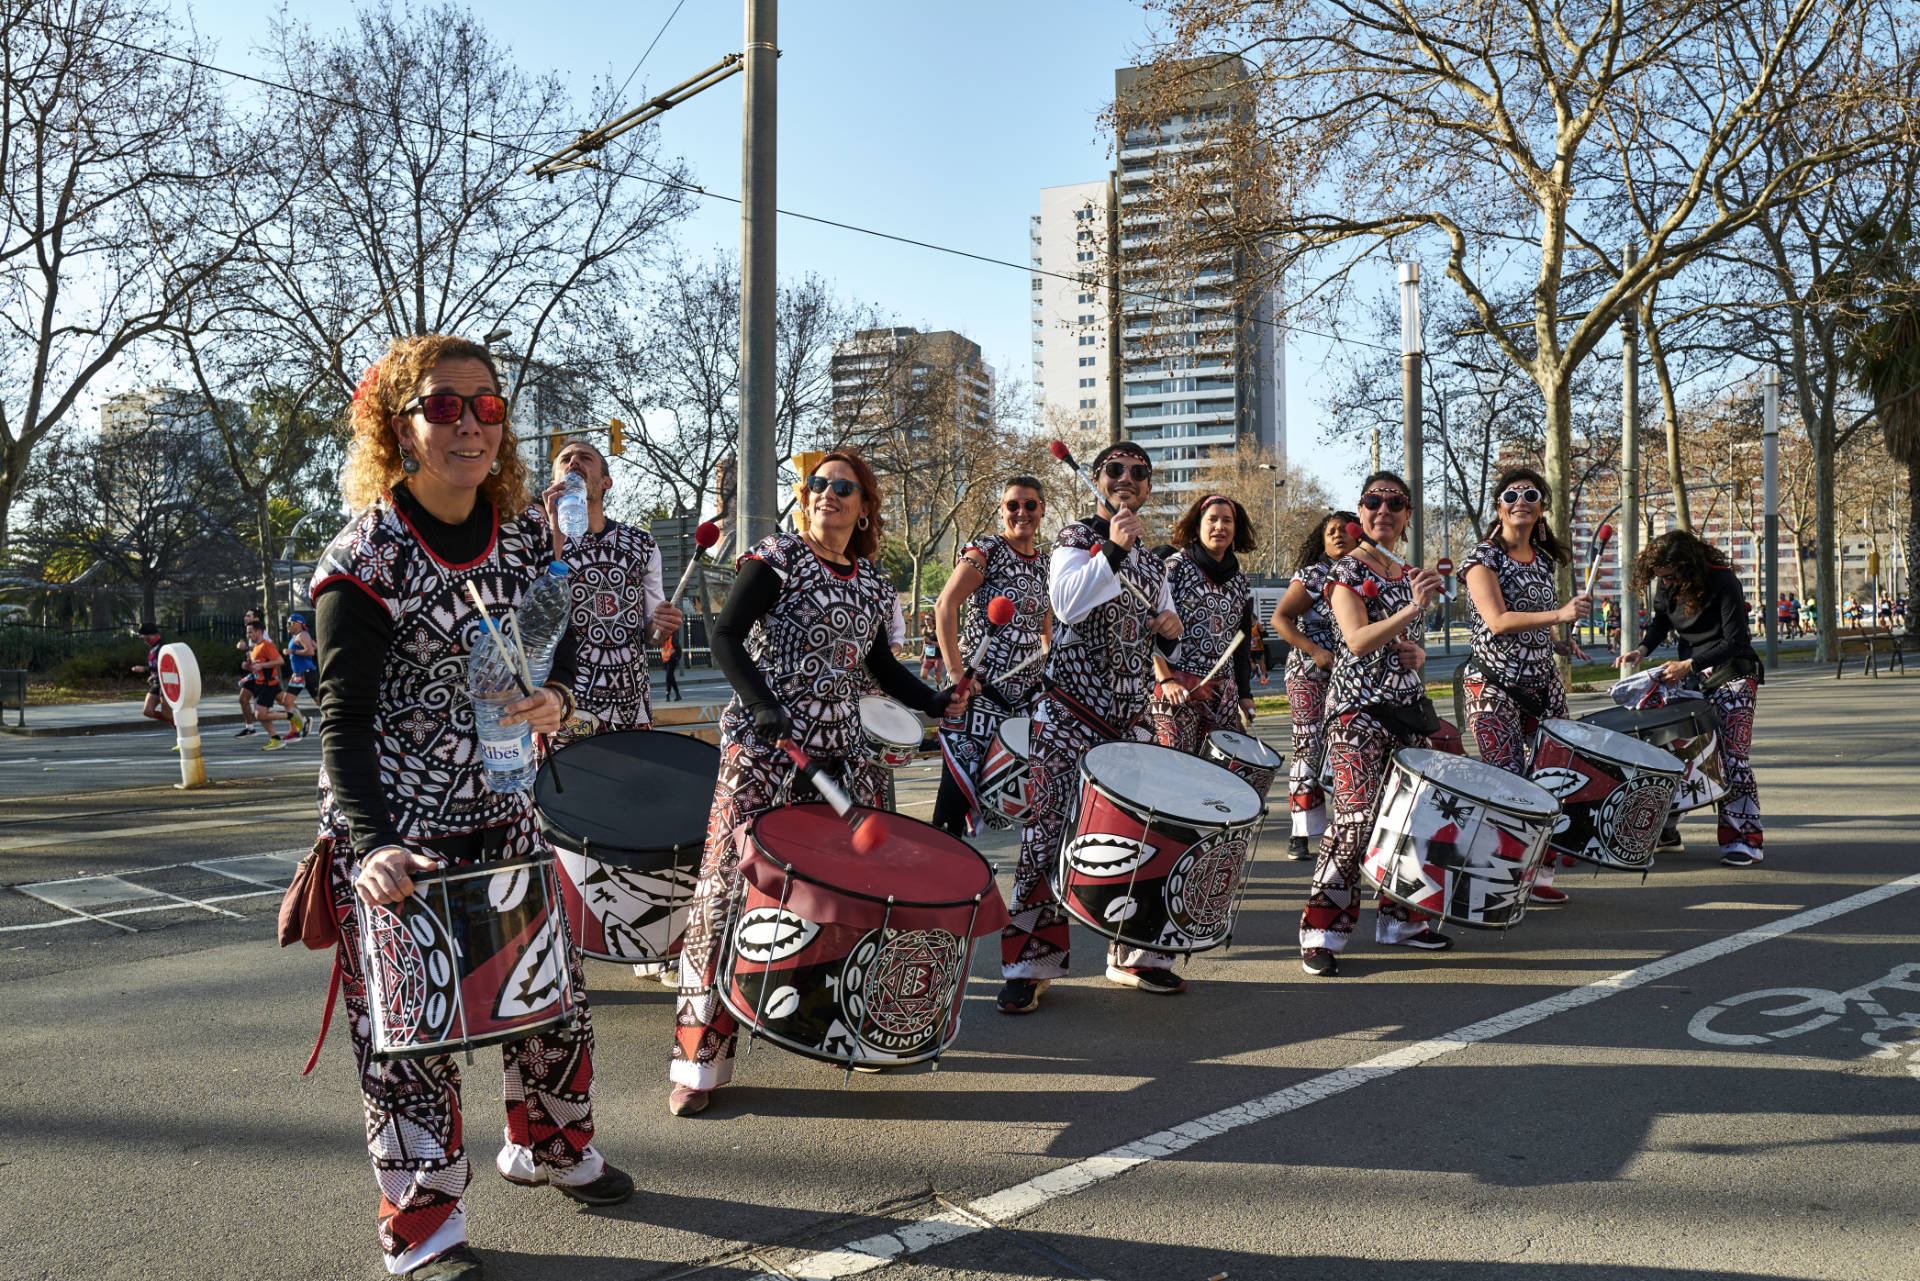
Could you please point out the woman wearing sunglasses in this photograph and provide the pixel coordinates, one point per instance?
(1380, 609)
(1305, 622)
(1512, 682)
(803, 629)
(1213, 599)
(435, 472)
(1697, 598)
(1004, 564)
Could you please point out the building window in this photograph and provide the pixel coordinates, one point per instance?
(1086, 319)
(1086, 382)
(1084, 235)
(1086, 360)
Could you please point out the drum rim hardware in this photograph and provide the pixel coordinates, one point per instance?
(1504, 808)
(892, 900)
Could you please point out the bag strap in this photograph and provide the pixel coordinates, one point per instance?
(326, 1018)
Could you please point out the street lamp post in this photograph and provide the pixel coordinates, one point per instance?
(1273, 530)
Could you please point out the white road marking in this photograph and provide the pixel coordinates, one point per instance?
(871, 1253)
(50, 892)
(240, 818)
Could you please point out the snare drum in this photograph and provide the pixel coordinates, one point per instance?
(891, 729)
(1687, 727)
(1458, 839)
(1006, 800)
(474, 956)
(1614, 792)
(1246, 756)
(1157, 858)
(849, 958)
(628, 832)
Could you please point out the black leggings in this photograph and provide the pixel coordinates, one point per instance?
(950, 806)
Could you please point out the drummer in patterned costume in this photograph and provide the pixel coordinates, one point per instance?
(1099, 676)
(440, 487)
(1698, 600)
(1512, 682)
(1004, 564)
(1375, 702)
(807, 612)
(618, 606)
(1212, 597)
(1305, 622)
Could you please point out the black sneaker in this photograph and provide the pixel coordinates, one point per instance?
(1428, 941)
(1320, 962)
(611, 1188)
(1021, 996)
(242, 732)
(1738, 858)
(457, 1264)
(1670, 840)
(1297, 849)
(1160, 982)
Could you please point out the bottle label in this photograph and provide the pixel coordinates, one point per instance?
(506, 754)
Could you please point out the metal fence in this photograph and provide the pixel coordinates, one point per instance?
(34, 648)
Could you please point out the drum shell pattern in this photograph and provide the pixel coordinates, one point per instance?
(1611, 810)
(1259, 775)
(1702, 783)
(1006, 794)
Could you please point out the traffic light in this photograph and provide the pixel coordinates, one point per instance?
(804, 463)
(554, 445)
(1873, 565)
(616, 436)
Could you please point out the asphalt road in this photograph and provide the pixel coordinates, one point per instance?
(1597, 1094)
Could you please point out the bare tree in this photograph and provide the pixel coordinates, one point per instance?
(1282, 503)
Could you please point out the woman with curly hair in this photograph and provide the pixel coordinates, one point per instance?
(1512, 682)
(434, 470)
(803, 630)
(1313, 646)
(1698, 599)
(1213, 599)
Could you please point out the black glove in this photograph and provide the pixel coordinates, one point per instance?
(937, 705)
(770, 722)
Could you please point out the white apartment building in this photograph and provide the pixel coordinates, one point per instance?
(1072, 309)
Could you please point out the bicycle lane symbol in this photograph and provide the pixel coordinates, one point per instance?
(1815, 1008)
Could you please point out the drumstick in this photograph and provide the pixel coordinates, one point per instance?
(999, 614)
(1600, 539)
(1024, 663)
(869, 829)
(1221, 661)
(704, 537)
(1065, 455)
(1360, 535)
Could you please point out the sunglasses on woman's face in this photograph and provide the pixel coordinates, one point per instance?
(443, 407)
(1018, 505)
(1527, 495)
(1139, 471)
(841, 487)
(1392, 502)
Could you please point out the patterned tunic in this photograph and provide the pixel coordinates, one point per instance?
(812, 647)
(1022, 580)
(1104, 662)
(1317, 623)
(1519, 658)
(1211, 613)
(616, 586)
(1379, 677)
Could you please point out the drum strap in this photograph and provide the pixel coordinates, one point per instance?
(1528, 702)
(326, 1017)
(1082, 713)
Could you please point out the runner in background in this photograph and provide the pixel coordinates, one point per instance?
(302, 654)
(263, 683)
(155, 708)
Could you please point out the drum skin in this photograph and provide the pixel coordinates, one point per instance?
(1245, 756)
(891, 730)
(1688, 729)
(1458, 839)
(474, 956)
(833, 971)
(1614, 792)
(1006, 799)
(1149, 879)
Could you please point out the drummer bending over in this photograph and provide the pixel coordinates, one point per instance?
(1374, 701)
(1698, 599)
(806, 613)
(1512, 681)
(1099, 674)
(438, 480)
(1214, 601)
(1003, 564)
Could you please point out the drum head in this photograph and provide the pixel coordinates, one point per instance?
(889, 719)
(1479, 780)
(629, 793)
(1182, 787)
(1245, 747)
(1682, 718)
(1611, 745)
(1016, 732)
(921, 866)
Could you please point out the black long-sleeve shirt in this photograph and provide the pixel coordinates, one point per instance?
(1713, 634)
(354, 632)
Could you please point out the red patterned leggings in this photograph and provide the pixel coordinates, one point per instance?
(1361, 747)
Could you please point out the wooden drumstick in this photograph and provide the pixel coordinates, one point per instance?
(999, 614)
(1221, 661)
(1065, 455)
(1024, 664)
(1360, 535)
(1601, 538)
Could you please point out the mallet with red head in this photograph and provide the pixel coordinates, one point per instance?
(868, 827)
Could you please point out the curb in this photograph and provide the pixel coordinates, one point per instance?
(106, 727)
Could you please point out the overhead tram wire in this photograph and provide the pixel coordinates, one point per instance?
(670, 183)
(621, 92)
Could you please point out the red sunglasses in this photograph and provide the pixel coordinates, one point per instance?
(443, 407)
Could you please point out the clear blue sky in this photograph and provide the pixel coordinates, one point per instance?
(940, 122)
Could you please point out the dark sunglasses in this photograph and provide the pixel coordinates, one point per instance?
(841, 488)
(1139, 471)
(443, 407)
(1392, 502)
(1527, 495)
(1016, 504)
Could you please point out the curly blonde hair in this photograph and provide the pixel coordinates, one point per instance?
(373, 456)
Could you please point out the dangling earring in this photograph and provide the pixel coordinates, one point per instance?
(495, 469)
(409, 464)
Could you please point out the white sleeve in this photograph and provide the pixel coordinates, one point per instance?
(1078, 582)
(1166, 594)
(652, 594)
(897, 625)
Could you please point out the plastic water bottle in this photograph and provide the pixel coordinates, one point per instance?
(541, 619)
(507, 751)
(572, 508)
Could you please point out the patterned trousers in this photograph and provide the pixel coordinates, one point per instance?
(415, 1130)
(1503, 731)
(1306, 799)
(1361, 747)
(1035, 942)
(705, 1034)
(1739, 809)
(1184, 726)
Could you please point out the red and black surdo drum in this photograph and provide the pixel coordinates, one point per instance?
(1159, 854)
(1686, 728)
(1006, 779)
(853, 958)
(474, 956)
(1614, 792)
(1244, 755)
(628, 831)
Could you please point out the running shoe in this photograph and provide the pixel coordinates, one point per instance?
(1546, 896)
(243, 731)
(1670, 840)
(458, 1264)
(611, 1188)
(687, 1101)
(1297, 849)
(1427, 941)
(294, 736)
(1320, 962)
(1738, 858)
(1021, 996)
(273, 744)
(1160, 982)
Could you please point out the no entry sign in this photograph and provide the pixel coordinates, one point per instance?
(1443, 566)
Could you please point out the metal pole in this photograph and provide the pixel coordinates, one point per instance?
(1410, 350)
(757, 508)
(1770, 482)
(1629, 467)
